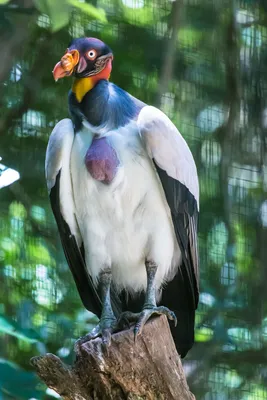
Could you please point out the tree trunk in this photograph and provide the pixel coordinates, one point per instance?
(149, 368)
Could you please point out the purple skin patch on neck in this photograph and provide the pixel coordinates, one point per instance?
(101, 160)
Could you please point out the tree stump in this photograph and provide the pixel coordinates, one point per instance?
(148, 369)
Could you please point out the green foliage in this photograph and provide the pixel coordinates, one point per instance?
(59, 12)
(203, 334)
(217, 243)
(89, 10)
(40, 310)
(243, 260)
(18, 384)
(38, 253)
(144, 16)
(7, 326)
(257, 392)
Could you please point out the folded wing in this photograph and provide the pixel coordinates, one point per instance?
(57, 168)
(177, 172)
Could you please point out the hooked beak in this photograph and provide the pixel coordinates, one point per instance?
(66, 65)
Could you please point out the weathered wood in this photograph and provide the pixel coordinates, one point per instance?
(148, 369)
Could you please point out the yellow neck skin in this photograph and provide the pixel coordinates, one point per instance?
(81, 86)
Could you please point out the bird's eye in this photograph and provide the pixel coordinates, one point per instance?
(91, 54)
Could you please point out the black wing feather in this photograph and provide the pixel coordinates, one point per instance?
(184, 213)
(75, 256)
(181, 294)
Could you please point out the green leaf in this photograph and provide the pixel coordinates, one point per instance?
(244, 259)
(37, 253)
(10, 249)
(93, 12)
(8, 245)
(189, 36)
(10, 327)
(4, 1)
(41, 5)
(19, 384)
(17, 210)
(58, 12)
(203, 334)
(257, 392)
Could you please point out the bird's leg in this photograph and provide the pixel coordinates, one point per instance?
(150, 306)
(108, 321)
(150, 299)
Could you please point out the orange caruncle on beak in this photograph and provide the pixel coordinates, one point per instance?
(66, 65)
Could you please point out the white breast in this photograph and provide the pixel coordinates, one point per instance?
(128, 221)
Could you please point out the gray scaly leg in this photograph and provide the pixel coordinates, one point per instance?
(150, 307)
(108, 321)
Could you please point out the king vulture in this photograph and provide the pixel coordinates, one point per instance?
(124, 191)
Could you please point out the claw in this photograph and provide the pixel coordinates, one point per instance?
(90, 336)
(104, 328)
(169, 314)
(142, 317)
(126, 318)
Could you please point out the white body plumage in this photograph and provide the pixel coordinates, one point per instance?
(128, 221)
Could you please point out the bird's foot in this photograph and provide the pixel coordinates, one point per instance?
(141, 318)
(104, 328)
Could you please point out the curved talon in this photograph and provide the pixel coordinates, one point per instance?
(142, 317)
(124, 323)
(126, 318)
(99, 330)
(90, 336)
(87, 338)
(169, 314)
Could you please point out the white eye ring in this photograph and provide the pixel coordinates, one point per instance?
(91, 54)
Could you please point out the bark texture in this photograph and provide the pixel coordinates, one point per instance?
(148, 369)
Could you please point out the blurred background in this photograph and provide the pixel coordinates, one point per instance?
(204, 63)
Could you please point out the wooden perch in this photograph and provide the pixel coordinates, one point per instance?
(148, 369)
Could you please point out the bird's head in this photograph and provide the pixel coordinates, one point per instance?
(85, 57)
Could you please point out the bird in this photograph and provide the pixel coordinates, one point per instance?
(124, 191)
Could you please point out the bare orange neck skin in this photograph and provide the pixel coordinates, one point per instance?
(81, 86)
